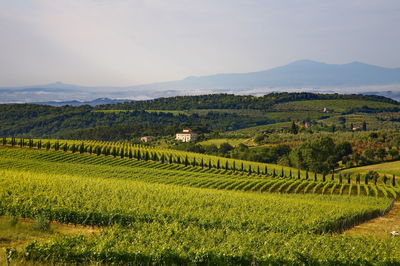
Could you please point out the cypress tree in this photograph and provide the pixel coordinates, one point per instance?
(375, 179)
(315, 177)
(340, 179)
(348, 179)
(218, 164)
(266, 170)
(202, 163)
(209, 164)
(170, 159)
(226, 165)
(12, 141)
(162, 158)
(333, 176)
(178, 161)
(30, 143)
(366, 179)
(242, 167)
(40, 144)
(250, 169)
(139, 156)
(90, 149)
(358, 178)
(122, 153)
(385, 179)
(21, 142)
(258, 170)
(194, 161)
(65, 147)
(4, 141)
(273, 173)
(290, 173)
(98, 151)
(114, 152)
(146, 156)
(48, 145)
(323, 177)
(186, 161)
(394, 180)
(307, 175)
(282, 173)
(234, 166)
(298, 174)
(82, 148)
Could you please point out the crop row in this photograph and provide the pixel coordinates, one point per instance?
(155, 172)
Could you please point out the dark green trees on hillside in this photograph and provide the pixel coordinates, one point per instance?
(319, 156)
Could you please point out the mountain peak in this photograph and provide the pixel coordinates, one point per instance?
(306, 62)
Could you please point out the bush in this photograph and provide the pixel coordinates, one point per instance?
(42, 223)
(13, 220)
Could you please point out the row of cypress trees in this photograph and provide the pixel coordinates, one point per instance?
(169, 158)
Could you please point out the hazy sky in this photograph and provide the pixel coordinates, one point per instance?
(128, 42)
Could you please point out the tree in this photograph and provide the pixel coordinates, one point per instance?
(294, 128)
(82, 148)
(393, 153)
(225, 147)
(381, 153)
(364, 126)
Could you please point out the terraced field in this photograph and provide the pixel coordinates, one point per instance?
(58, 162)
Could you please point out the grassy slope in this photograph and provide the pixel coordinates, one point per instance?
(334, 105)
(390, 168)
(218, 142)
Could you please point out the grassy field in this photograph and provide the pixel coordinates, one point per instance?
(148, 212)
(390, 168)
(167, 224)
(374, 121)
(251, 131)
(218, 142)
(333, 105)
(295, 116)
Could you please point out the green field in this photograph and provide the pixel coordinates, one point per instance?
(389, 168)
(295, 116)
(155, 212)
(171, 214)
(252, 131)
(341, 105)
(218, 142)
(374, 121)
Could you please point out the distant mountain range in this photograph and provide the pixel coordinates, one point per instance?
(95, 102)
(303, 75)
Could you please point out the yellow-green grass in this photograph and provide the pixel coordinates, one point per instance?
(389, 168)
(297, 115)
(333, 105)
(22, 231)
(218, 142)
(251, 131)
(207, 159)
(374, 121)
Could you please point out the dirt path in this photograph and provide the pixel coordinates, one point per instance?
(381, 226)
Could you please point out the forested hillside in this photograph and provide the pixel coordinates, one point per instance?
(161, 117)
(231, 101)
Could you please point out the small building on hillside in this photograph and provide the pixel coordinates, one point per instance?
(326, 110)
(186, 135)
(146, 138)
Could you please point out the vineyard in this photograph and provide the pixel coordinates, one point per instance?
(159, 206)
(187, 173)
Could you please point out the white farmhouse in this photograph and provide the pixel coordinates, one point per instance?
(186, 135)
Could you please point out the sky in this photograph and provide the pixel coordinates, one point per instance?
(130, 42)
